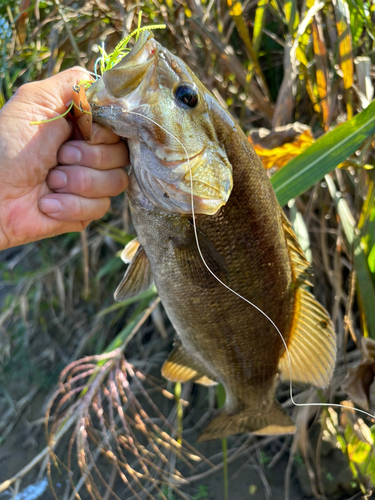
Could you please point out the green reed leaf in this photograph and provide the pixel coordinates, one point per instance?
(371, 260)
(366, 289)
(259, 21)
(301, 173)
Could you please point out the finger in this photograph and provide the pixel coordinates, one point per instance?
(70, 207)
(99, 156)
(88, 182)
(103, 135)
(55, 92)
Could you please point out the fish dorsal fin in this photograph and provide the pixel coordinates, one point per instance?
(137, 278)
(191, 263)
(312, 343)
(301, 268)
(181, 367)
(130, 250)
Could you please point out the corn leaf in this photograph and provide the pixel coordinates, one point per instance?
(365, 288)
(371, 259)
(236, 12)
(259, 24)
(345, 42)
(360, 15)
(345, 49)
(291, 15)
(356, 24)
(323, 156)
(367, 226)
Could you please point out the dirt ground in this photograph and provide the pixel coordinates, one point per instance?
(253, 475)
(245, 482)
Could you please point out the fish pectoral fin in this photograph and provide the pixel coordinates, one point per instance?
(311, 345)
(181, 367)
(275, 421)
(138, 277)
(190, 259)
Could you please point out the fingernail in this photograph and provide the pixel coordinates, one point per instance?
(49, 205)
(57, 179)
(69, 155)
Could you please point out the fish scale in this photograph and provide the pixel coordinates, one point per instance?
(243, 235)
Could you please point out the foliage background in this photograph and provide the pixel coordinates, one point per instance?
(271, 63)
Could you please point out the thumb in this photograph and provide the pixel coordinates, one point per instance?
(56, 92)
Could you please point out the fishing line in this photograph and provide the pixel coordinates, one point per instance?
(336, 405)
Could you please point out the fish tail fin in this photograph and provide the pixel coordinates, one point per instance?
(275, 421)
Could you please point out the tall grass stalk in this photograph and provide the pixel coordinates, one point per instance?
(220, 393)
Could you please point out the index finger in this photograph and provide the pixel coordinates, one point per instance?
(98, 156)
(103, 135)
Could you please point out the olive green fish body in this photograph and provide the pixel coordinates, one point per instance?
(243, 237)
(215, 325)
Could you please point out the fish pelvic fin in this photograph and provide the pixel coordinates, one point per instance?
(312, 343)
(130, 250)
(182, 367)
(138, 276)
(276, 421)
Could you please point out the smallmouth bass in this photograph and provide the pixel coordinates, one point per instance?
(185, 148)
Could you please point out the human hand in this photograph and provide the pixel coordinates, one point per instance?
(38, 197)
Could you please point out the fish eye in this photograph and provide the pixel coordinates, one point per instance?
(187, 95)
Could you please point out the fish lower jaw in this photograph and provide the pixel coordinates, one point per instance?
(206, 204)
(207, 207)
(207, 199)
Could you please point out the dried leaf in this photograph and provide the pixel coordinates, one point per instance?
(368, 349)
(22, 19)
(279, 156)
(321, 68)
(358, 380)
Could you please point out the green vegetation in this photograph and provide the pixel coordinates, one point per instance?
(271, 63)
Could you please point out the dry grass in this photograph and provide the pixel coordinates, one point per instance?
(270, 63)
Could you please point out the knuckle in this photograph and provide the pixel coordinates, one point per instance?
(76, 68)
(79, 210)
(100, 156)
(93, 155)
(25, 90)
(85, 181)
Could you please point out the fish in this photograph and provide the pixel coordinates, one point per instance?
(208, 223)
